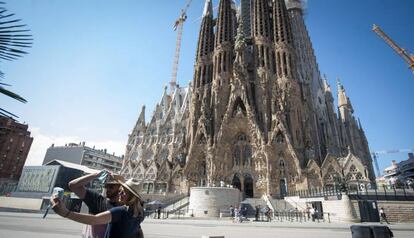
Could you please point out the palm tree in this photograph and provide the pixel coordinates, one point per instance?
(13, 39)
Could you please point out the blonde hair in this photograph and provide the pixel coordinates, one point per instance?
(134, 203)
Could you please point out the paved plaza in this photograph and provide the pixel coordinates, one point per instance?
(17, 225)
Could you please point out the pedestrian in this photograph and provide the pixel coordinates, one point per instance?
(383, 216)
(268, 213)
(237, 215)
(312, 213)
(244, 212)
(124, 221)
(231, 211)
(257, 212)
(316, 214)
(159, 212)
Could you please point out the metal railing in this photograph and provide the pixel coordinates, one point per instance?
(284, 216)
(390, 192)
(385, 192)
(165, 214)
(298, 216)
(316, 192)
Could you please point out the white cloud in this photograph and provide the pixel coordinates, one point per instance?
(41, 142)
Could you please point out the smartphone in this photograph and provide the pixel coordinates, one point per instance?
(102, 176)
(57, 192)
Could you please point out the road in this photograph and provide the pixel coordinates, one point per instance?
(26, 225)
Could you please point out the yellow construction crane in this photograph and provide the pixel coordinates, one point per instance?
(178, 26)
(400, 51)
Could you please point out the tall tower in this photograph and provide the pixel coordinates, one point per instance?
(265, 63)
(287, 95)
(348, 125)
(203, 74)
(245, 11)
(223, 59)
(334, 144)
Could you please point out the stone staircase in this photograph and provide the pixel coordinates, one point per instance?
(281, 205)
(170, 203)
(177, 205)
(398, 211)
(166, 199)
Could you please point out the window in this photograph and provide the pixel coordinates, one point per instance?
(282, 164)
(242, 137)
(359, 176)
(279, 138)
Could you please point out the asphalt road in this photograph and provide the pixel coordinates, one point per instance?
(24, 225)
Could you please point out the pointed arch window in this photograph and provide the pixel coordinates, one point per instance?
(281, 164)
(239, 107)
(279, 138)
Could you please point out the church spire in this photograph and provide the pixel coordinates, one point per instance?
(281, 24)
(343, 99)
(225, 22)
(208, 8)
(282, 36)
(327, 87)
(344, 103)
(223, 60)
(203, 71)
(261, 16)
(138, 129)
(141, 118)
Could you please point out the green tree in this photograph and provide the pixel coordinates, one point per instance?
(13, 42)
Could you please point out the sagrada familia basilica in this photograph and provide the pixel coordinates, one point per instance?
(257, 114)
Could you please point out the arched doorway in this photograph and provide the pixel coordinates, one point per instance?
(248, 186)
(236, 182)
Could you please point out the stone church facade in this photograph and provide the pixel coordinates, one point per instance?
(257, 114)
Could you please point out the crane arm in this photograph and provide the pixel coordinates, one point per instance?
(400, 51)
(187, 6)
(178, 26)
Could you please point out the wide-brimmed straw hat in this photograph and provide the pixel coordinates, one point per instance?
(133, 186)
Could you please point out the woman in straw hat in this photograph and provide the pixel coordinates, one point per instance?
(124, 220)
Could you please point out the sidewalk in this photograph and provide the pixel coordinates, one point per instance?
(275, 224)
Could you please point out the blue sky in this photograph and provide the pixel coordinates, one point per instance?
(95, 63)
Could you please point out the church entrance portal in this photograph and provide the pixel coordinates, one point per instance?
(236, 182)
(248, 186)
